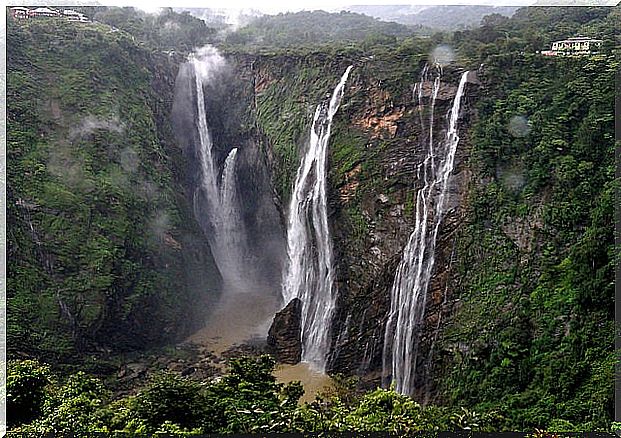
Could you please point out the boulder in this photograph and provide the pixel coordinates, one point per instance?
(284, 337)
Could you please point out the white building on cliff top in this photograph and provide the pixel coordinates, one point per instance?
(574, 46)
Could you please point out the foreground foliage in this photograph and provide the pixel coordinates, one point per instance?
(246, 400)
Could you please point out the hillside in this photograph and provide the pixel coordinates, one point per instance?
(316, 27)
(446, 18)
(101, 236)
(168, 30)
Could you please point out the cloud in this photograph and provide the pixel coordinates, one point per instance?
(91, 123)
(160, 224)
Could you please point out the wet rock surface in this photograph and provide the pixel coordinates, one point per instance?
(367, 264)
(194, 361)
(284, 337)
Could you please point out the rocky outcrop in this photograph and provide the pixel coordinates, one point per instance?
(348, 191)
(284, 337)
(383, 124)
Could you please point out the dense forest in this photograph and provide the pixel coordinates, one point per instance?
(109, 271)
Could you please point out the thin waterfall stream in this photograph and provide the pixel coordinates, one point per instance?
(409, 290)
(309, 274)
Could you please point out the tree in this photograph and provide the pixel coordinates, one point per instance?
(26, 385)
(73, 406)
(249, 399)
(170, 397)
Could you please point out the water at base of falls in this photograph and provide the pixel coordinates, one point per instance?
(240, 317)
(409, 290)
(312, 380)
(309, 275)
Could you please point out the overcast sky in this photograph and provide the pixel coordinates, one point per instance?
(275, 6)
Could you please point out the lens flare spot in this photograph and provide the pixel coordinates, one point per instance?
(519, 126)
(442, 55)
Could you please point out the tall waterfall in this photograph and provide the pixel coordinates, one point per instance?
(218, 189)
(409, 289)
(309, 274)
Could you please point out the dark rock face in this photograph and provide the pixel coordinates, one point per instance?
(379, 137)
(366, 265)
(284, 337)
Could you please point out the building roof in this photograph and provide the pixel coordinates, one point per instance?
(45, 11)
(578, 39)
(70, 12)
(19, 8)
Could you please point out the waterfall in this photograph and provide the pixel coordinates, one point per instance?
(309, 274)
(227, 181)
(223, 225)
(228, 224)
(409, 290)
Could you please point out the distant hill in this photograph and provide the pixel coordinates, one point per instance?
(317, 27)
(387, 12)
(223, 18)
(437, 17)
(165, 31)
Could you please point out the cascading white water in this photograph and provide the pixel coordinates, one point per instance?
(309, 274)
(409, 289)
(227, 181)
(228, 223)
(226, 237)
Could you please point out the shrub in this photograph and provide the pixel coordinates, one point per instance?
(26, 385)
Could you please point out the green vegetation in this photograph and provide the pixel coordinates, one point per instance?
(97, 214)
(92, 209)
(166, 30)
(533, 336)
(26, 384)
(434, 18)
(534, 29)
(316, 27)
(246, 400)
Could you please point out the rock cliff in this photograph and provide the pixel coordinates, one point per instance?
(376, 145)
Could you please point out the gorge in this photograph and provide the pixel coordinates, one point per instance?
(309, 274)
(441, 229)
